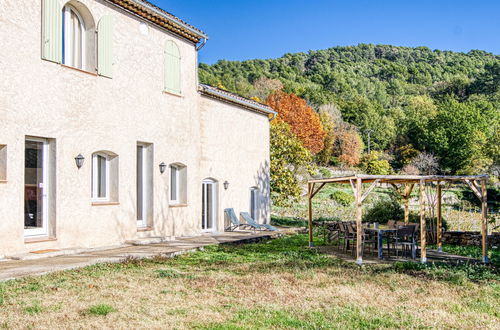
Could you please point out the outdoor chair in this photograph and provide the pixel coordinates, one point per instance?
(405, 238)
(342, 233)
(351, 237)
(234, 221)
(261, 226)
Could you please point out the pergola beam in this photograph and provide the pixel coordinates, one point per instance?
(369, 190)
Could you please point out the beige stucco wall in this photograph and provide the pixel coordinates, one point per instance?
(83, 114)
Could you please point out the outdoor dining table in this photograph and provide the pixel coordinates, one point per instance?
(381, 230)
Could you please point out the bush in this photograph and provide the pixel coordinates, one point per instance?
(342, 198)
(372, 164)
(383, 211)
(325, 173)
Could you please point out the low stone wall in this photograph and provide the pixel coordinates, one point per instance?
(469, 238)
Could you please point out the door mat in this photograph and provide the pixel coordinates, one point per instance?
(44, 251)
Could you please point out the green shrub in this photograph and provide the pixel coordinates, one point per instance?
(372, 164)
(383, 211)
(342, 198)
(325, 173)
(100, 309)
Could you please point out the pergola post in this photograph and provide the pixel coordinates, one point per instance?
(423, 227)
(439, 219)
(359, 224)
(484, 220)
(310, 187)
(406, 200)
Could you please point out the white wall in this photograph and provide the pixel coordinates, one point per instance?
(85, 113)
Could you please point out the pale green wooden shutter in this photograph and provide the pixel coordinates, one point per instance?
(105, 47)
(172, 68)
(52, 30)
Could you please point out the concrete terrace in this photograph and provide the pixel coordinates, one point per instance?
(32, 264)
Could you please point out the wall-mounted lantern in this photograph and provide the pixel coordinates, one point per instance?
(79, 161)
(226, 185)
(163, 167)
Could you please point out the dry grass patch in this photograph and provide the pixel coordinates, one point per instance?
(276, 284)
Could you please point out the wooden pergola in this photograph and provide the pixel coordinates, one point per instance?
(404, 185)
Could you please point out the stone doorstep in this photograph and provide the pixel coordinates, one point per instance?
(150, 240)
(63, 252)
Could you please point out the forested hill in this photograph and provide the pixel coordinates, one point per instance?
(440, 102)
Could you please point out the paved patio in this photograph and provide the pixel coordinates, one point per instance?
(12, 269)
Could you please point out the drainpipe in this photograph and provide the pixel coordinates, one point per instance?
(201, 44)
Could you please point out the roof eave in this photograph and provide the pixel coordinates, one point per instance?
(227, 97)
(190, 33)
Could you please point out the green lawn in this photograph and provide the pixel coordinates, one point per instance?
(274, 284)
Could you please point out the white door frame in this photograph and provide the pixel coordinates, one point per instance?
(142, 218)
(210, 184)
(44, 230)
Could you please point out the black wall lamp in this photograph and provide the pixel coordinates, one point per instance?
(163, 167)
(79, 161)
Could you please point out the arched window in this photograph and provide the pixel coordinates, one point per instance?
(172, 68)
(178, 184)
(74, 43)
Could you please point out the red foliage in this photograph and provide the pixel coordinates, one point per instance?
(302, 119)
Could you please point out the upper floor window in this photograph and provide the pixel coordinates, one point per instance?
(172, 68)
(74, 43)
(69, 37)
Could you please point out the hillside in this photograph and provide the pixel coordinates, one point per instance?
(439, 102)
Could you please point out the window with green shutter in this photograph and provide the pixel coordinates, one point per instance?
(52, 30)
(105, 47)
(172, 68)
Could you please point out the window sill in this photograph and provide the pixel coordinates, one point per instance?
(141, 229)
(177, 205)
(79, 70)
(104, 203)
(39, 239)
(173, 93)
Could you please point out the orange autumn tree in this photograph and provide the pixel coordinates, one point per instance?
(302, 119)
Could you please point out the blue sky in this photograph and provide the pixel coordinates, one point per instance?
(241, 30)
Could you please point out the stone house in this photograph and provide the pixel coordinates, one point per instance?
(106, 134)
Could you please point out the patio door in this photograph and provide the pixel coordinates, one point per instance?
(209, 205)
(36, 187)
(141, 186)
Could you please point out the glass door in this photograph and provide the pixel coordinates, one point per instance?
(209, 209)
(254, 203)
(141, 186)
(36, 187)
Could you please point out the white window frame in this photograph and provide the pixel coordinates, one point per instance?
(68, 52)
(177, 184)
(44, 230)
(95, 178)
